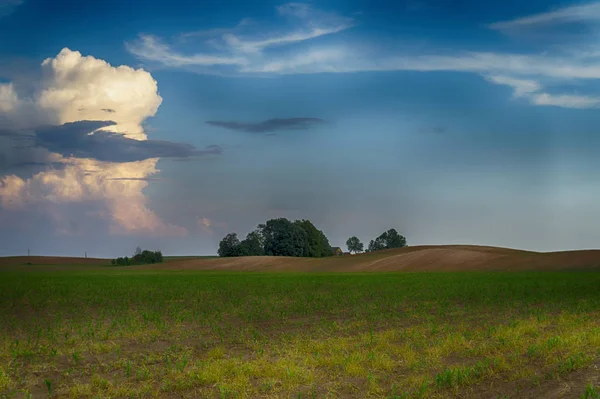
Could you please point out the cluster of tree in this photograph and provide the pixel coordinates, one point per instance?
(387, 240)
(140, 257)
(279, 237)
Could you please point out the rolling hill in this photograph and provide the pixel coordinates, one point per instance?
(417, 258)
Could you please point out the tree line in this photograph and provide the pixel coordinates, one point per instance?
(140, 257)
(278, 237)
(300, 238)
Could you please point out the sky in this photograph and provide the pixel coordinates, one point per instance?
(167, 125)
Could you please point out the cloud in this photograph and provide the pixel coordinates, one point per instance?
(531, 90)
(318, 24)
(75, 157)
(521, 87)
(8, 97)
(123, 199)
(234, 53)
(211, 226)
(566, 101)
(477, 62)
(205, 224)
(135, 178)
(241, 50)
(83, 139)
(577, 13)
(210, 33)
(270, 125)
(8, 6)
(150, 48)
(82, 87)
(321, 60)
(259, 45)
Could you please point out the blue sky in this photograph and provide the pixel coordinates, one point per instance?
(471, 122)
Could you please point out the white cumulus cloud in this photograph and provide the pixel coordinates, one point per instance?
(74, 88)
(81, 87)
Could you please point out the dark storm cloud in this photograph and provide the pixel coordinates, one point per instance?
(74, 139)
(15, 135)
(270, 125)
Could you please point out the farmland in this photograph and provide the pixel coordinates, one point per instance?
(92, 331)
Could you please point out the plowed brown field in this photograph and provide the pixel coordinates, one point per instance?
(418, 258)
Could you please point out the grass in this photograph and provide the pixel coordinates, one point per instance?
(122, 333)
(591, 392)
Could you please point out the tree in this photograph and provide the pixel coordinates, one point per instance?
(284, 238)
(317, 244)
(140, 257)
(145, 257)
(279, 237)
(354, 245)
(229, 246)
(393, 239)
(387, 240)
(375, 245)
(253, 245)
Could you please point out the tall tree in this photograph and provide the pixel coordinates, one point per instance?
(393, 239)
(317, 244)
(229, 246)
(354, 244)
(284, 238)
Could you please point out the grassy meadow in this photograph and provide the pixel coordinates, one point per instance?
(121, 333)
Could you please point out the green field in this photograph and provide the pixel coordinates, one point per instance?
(119, 333)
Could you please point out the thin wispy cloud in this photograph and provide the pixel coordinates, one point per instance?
(520, 87)
(151, 48)
(532, 91)
(530, 75)
(210, 33)
(589, 12)
(256, 46)
(318, 23)
(8, 6)
(566, 100)
(236, 48)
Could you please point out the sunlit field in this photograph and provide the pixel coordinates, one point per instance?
(121, 333)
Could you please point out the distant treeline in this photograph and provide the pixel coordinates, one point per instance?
(300, 238)
(140, 257)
